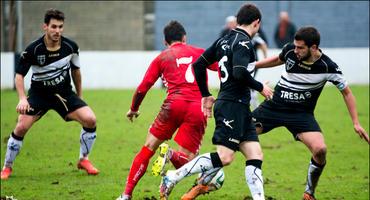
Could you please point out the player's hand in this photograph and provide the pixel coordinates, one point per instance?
(131, 114)
(207, 104)
(361, 132)
(267, 92)
(23, 106)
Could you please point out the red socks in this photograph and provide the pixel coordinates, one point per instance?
(178, 159)
(138, 169)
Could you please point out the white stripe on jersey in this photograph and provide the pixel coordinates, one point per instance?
(52, 66)
(305, 78)
(299, 81)
(51, 70)
(299, 87)
(51, 75)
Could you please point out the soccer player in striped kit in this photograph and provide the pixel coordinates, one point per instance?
(51, 58)
(307, 69)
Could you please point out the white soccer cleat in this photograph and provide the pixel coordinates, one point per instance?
(166, 187)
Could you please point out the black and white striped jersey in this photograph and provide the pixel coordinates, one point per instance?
(50, 69)
(301, 83)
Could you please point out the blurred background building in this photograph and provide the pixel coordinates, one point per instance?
(118, 39)
(137, 25)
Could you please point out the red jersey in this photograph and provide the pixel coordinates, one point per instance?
(174, 66)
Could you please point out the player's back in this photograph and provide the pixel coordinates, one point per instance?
(177, 71)
(234, 49)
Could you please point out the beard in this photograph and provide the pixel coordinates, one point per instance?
(305, 57)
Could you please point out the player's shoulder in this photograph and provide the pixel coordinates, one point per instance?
(195, 49)
(332, 67)
(288, 46)
(35, 44)
(287, 51)
(241, 40)
(70, 43)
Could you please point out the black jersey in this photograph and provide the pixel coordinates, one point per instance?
(50, 69)
(300, 84)
(236, 59)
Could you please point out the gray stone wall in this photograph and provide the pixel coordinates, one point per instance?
(94, 25)
(129, 25)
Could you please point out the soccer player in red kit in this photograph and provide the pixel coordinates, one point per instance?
(180, 110)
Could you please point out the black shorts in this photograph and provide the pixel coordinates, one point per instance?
(296, 122)
(234, 124)
(62, 103)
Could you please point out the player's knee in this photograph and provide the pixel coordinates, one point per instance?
(90, 121)
(320, 152)
(226, 159)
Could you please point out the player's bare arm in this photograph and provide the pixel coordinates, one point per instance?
(23, 105)
(76, 76)
(269, 62)
(351, 106)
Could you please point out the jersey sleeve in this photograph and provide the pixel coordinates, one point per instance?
(75, 61)
(200, 68)
(151, 76)
(335, 76)
(243, 64)
(287, 47)
(24, 62)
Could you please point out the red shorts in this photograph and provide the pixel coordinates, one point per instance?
(187, 117)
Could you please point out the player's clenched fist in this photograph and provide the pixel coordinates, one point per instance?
(131, 114)
(207, 104)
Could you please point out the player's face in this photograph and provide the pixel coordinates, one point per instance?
(301, 50)
(54, 30)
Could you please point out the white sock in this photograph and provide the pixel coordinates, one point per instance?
(255, 182)
(313, 175)
(12, 150)
(87, 140)
(199, 164)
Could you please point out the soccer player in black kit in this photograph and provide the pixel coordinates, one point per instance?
(51, 58)
(307, 70)
(235, 130)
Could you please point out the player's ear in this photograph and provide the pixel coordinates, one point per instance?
(183, 39)
(44, 26)
(314, 47)
(256, 22)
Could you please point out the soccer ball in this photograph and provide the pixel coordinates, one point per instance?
(216, 182)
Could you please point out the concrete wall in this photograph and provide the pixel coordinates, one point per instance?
(94, 25)
(125, 69)
(127, 25)
(341, 23)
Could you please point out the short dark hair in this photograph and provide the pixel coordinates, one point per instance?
(309, 34)
(247, 14)
(53, 14)
(173, 31)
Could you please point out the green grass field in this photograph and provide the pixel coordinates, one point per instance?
(46, 167)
